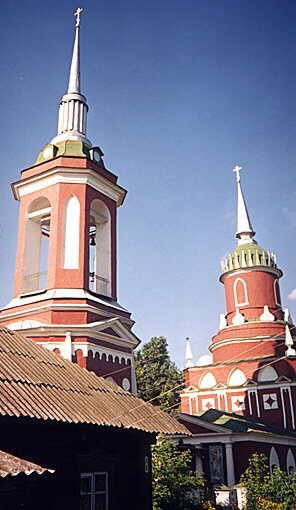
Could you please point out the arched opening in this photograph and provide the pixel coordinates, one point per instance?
(37, 235)
(267, 374)
(277, 293)
(236, 378)
(207, 381)
(100, 248)
(291, 465)
(274, 462)
(240, 292)
(72, 233)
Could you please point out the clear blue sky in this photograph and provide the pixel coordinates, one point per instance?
(179, 92)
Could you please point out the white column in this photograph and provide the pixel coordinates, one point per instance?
(229, 465)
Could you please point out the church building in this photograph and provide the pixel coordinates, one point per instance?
(242, 400)
(65, 289)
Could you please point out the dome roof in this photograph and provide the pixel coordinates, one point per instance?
(249, 255)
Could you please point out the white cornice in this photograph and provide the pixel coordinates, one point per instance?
(26, 299)
(70, 176)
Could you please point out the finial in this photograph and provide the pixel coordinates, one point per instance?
(245, 232)
(237, 170)
(77, 15)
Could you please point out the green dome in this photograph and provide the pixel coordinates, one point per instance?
(248, 255)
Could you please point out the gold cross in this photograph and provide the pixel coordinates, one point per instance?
(237, 170)
(77, 14)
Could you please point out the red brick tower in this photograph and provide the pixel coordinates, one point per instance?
(65, 292)
(253, 358)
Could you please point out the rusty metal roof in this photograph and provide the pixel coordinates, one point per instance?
(39, 384)
(11, 465)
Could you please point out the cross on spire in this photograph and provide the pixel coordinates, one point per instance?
(77, 15)
(237, 170)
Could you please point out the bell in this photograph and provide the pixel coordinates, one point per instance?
(92, 241)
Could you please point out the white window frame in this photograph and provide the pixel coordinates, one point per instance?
(246, 299)
(93, 492)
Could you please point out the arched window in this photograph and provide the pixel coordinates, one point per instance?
(291, 465)
(240, 292)
(37, 235)
(72, 233)
(277, 294)
(100, 248)
(236, 378)
(267, 374)
(274, 462)
(207, 381)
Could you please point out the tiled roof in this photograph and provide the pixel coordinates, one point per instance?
(238, 423)
(39, 384)
(11, 465)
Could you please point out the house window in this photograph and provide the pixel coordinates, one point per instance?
(94, 491)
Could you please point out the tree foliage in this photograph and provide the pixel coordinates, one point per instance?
(175, 485)
(266, 491)
(157, 374)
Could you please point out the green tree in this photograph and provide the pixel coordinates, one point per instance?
(266, 491)
(157, 374)
(175, 486)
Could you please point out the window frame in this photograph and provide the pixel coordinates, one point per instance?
(92, 493)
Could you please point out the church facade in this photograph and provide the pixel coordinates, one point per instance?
(243, 400)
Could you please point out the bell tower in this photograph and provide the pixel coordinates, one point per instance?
(65, 289)
(253, 366)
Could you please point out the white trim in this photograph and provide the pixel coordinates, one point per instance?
(244, 389)
(249, 394)
(246, 299)
(258, 405)
(241, 340)
(283, 405)
(291, 407)
(60, 294)
(70, 176)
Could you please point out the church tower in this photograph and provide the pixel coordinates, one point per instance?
(253, 357)
(65, 289)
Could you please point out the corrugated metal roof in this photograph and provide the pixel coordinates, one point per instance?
(11, 465)
(39, 384)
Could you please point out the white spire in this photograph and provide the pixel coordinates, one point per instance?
(73, 108)
(74, 81)
(188, 354)
(245, 232)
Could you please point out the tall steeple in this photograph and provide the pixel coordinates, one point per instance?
(73, 107)
(245, 232)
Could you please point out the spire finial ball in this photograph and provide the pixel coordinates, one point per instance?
(77, 15)
(237, 170)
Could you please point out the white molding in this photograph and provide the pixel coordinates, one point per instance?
(235, 284)
(241, 340)
(60, 294)
(283, 405)
(70, 176)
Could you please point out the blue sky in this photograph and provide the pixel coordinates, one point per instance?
(179, 92)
